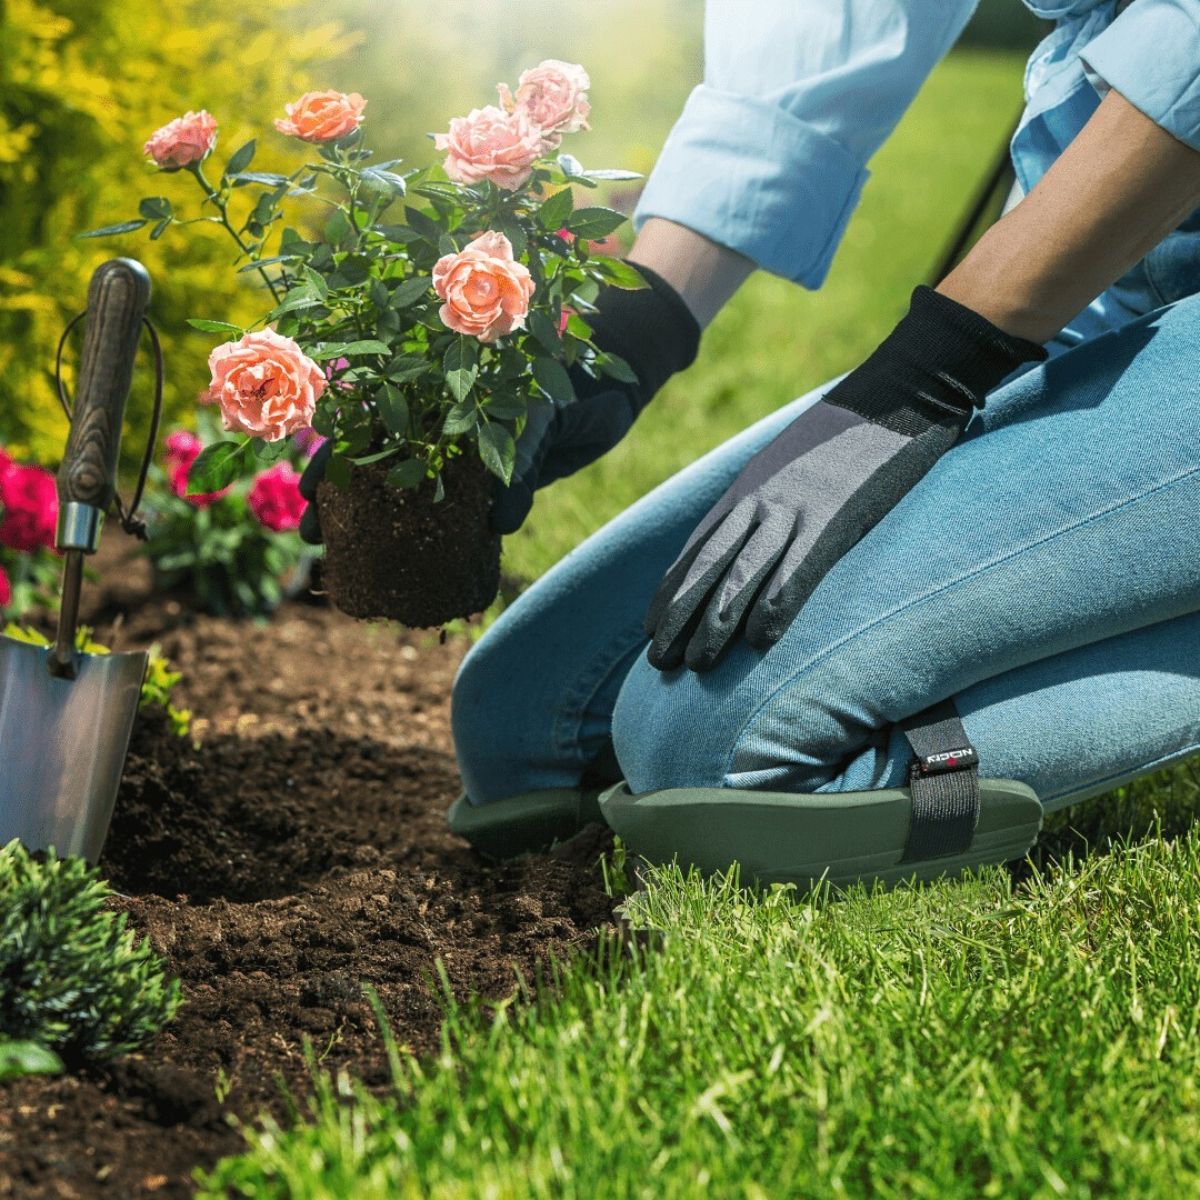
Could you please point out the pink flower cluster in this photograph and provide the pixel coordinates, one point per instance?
(275, 498)
(501, 144)
(28, 507)
(486, 292)
(183, 449)
(316, 117)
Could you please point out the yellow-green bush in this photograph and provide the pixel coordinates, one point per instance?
(84, 82)
(82, 85)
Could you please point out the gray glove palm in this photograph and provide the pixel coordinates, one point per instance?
(812, 493)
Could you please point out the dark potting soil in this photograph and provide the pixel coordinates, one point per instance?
(427, 561)
(298, 851)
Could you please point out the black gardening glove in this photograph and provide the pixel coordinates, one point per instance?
(812, 493)
(653, 330)
(310, 525)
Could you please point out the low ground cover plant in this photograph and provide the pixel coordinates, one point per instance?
(29, 567)
(234, 551)
(74, 980)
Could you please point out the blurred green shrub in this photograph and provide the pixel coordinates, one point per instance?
(26, 1058)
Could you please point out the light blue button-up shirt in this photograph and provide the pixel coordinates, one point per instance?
(769, 155)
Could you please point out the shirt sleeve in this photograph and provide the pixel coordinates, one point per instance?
(769, 155)
(1151, 55)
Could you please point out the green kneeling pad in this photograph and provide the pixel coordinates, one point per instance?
(777, 837)
(524, 824)
(842, 837)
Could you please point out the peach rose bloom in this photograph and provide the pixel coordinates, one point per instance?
(486, 292)
(322, 116)
(489, 143)
(183, 141)
(553, 95)
(265, 384)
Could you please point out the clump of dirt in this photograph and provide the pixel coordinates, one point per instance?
(428, 560)
(298, 851)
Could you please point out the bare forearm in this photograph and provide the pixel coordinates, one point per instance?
(1120, 187)
(704, 273)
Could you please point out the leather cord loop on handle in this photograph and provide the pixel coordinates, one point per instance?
(126, 514)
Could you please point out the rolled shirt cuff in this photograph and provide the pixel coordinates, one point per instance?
(750, 176)
(1151, 55)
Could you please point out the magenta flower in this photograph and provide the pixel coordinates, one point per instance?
(29, 501)
(182, 450)
(308, 441)
(275, 498)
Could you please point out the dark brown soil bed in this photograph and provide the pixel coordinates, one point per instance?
(298, 851)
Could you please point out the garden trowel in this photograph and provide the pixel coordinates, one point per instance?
(65, 716)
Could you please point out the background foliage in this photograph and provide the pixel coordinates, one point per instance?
(82, 85)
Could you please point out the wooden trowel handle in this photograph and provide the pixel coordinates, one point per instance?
(117, 299)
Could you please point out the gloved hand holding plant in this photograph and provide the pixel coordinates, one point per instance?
(426, 322)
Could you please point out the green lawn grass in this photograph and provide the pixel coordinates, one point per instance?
(1027, 1033)
(977, 1038)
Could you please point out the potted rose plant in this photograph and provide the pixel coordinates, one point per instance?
(415, 317)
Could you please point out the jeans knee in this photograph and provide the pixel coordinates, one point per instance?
(667, 730)
(476, 700)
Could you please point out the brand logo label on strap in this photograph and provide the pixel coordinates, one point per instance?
(950, 760)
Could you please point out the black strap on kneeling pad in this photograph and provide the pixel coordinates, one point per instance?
(944, 781)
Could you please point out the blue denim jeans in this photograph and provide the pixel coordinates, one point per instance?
(1045, 574)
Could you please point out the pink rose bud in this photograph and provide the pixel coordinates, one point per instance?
(489, 143)
(265, 384)
(5, 590)
(275, 498)
(307, 441)
(553, 95)
(322, 116)
(29, 504)
(183, 141)
(486, 292)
